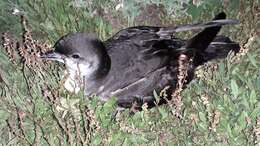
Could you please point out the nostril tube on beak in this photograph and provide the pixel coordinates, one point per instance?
(52, 55)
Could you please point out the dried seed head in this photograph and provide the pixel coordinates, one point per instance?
(214, 121)
(9, 45)
(183, 62)
(30, 49)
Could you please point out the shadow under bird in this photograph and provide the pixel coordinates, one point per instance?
(138, 60)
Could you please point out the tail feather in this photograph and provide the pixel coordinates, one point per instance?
(219, 48)
(206, 25)
(219, 20)
(200, 42)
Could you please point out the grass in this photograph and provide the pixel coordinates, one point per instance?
(220, 106)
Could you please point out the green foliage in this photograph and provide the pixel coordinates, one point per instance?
(220, 107)
(52, 19)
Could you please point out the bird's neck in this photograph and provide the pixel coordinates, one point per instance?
(103, 66)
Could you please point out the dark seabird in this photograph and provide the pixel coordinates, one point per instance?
(137, 60)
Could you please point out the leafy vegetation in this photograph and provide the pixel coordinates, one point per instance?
(220, 107)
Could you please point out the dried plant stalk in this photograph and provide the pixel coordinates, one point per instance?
(214, 121)
(183, 62)
(9, 45)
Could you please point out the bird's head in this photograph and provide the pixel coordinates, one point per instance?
(82, 53)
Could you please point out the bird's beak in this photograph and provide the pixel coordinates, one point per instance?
(52, 55)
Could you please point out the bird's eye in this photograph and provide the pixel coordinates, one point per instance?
(75, 56)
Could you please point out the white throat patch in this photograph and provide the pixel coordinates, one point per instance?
(74, 73)
(82, 69)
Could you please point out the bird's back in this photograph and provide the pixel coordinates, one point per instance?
(144, 59)
(137, 65)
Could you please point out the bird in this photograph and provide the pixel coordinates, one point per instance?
(138, 60)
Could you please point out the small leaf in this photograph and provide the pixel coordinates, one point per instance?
(97, 140)
(229, 131)
(242, 120)
(194, 11)
(202, 116)
(252, 59)
(252, 97)
(255, 113)
(110, 103)
(222, 68)
(163, 113)
(234, 88)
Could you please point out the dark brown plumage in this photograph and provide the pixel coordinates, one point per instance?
(138, 60)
